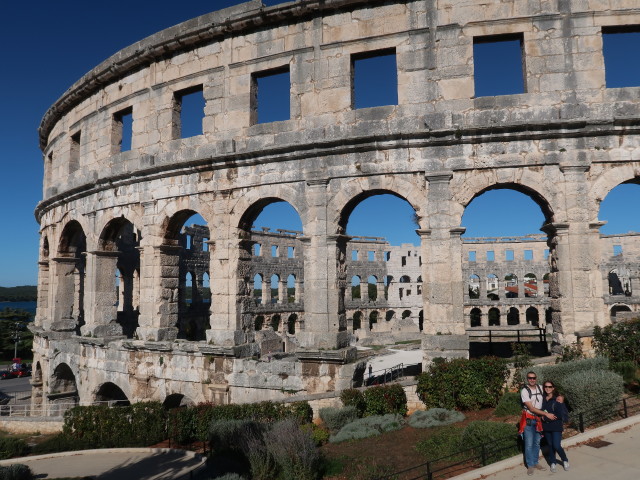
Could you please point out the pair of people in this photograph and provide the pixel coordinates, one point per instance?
(544, 411)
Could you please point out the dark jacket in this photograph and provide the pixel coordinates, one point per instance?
(559, 410)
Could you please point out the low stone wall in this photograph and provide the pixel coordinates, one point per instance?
(32, 424)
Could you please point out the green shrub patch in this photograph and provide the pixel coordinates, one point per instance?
(16, 471)
(385, 399)
(619, 341)
(434, 417)
(510, 404)
(352, 397)
(593, 394)
(463, 384)
(12, 447)
(493, 440)
(368, 427)
(336, 418)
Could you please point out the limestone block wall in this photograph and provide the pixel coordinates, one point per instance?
(566, 141)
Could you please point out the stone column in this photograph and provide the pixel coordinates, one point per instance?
(283, 292)
(576, 285)
(266, 291)
(324, 275)
(42, 310)
(443, 292)
(101, 295)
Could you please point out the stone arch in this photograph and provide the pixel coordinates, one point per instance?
(494, 317)
(63, 381)
(249, 204)
(373, 318)
(70, 273)
(44, 249)
(511, 286)
(37, 373)
(534, 185)
(513, 316)
(177, 400)
(615, 309)
(372, 288)
(356, 287)
(389, 315)
(406, 314)
(474, 286)
(113, 394)
(475, 317)
(421, 320)
(493, 287)
(613, 177)
(533, 316)
(291, 324)
(189, 312)
(405, 279)
(357, 321)
(530, 285)
(258, 322)
(352, 194)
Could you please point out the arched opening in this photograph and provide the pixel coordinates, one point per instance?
(258, 323)
(492, 287)
(494, 317)
(275, 322)
(271, 264)
(389, 315)
(187, 238)
(513, 316)
(355, 288)
(380, 244)
(357, 321)
(119, 258)
(616, 310)
(533, 316)
(530, 286)
(421, 320)
(176, 400)
(70, 268)
(511, 286)
(372, 288)
(113, 394)
(475, 317)
(62, 383)
(291, 324)
(620, 241)
(474, 287)
(373, 319)
(406, 314)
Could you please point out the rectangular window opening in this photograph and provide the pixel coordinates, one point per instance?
(354, 255)
(271, 96)
(274, 250)
(188, 112)
(123, 130)
(371, 256)
(472, 256)
(387, 256)
(508, 254)
(74, 152)
(498, 65)
(617, 250)
(546, 253)
(528, 254)
(404, 261)
(374, 80)
(491, 256)
(291, 252)
(205, 244)
(617, 43)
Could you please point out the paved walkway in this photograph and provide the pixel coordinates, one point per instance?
(589, 460)
(115, 464)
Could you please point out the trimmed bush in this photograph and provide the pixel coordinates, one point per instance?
(60, 443)
(336, 418)
(231, 435)
(497, 439)
(192, 423)
(557, 373)
(463, 384)
(434, 417)
(619, 341)
(510, 404)
(293, 450)
(385, 399)
(353, 397)
(593, 393)
(12, 447)
(319, 434)
(17, 471)
(368, 427)
(139, 425)
(445, 442)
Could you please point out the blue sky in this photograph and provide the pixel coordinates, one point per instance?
(47, 46)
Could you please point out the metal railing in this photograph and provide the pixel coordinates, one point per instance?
(47, 410)
(386, 375)
(485, 454)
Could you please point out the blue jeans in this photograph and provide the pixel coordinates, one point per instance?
(553, 440)
(531, 444)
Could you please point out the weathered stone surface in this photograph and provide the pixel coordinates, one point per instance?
(566, 141)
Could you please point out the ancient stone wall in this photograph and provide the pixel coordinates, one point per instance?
(566, 140)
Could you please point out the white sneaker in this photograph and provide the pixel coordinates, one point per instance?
(565, 465)
(553, 468)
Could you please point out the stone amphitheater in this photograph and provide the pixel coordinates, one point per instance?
(134, 304)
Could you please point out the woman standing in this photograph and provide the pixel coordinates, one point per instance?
(552, 429)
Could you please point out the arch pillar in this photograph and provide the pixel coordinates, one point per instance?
(324, 275)
(68, 292)
(42, 312)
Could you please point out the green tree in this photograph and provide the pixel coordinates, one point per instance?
(14, 322)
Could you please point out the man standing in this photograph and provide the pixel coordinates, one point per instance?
(531, 423)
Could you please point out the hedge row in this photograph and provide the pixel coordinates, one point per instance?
(380, 400)
(463, 384)
(192, 423)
